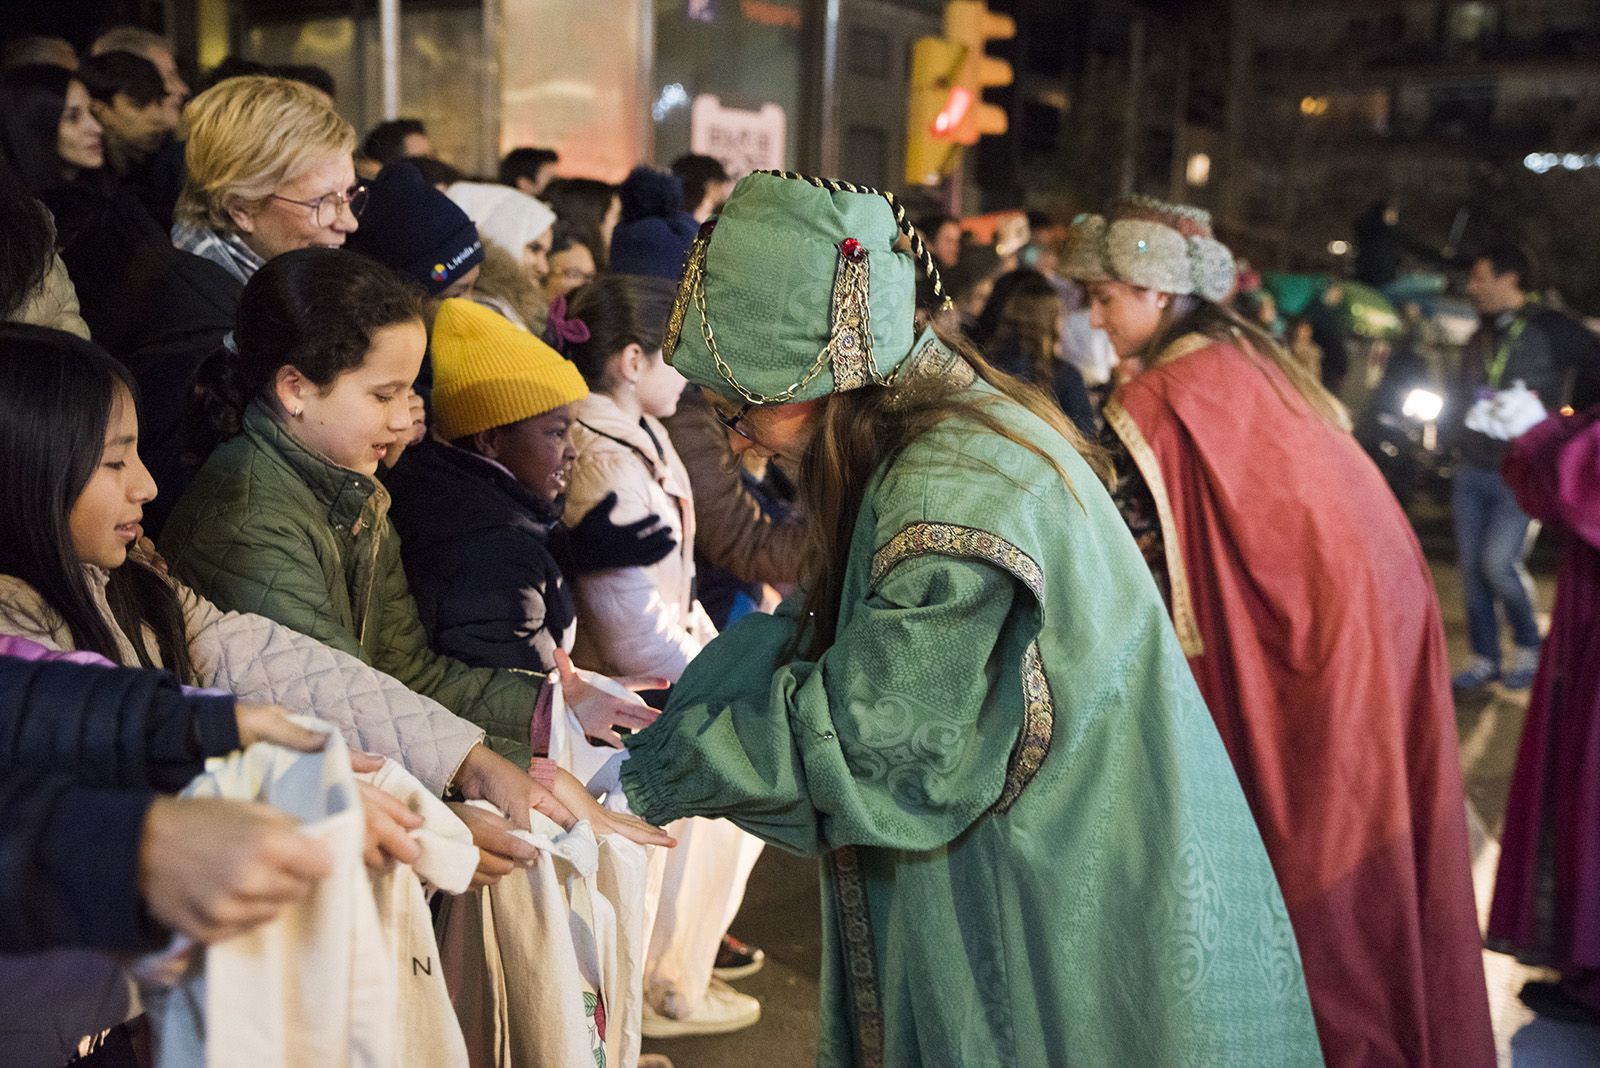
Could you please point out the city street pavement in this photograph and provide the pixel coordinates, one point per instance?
(781, 910)
(782, 914)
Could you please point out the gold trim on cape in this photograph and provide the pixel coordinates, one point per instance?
(1180, 348)
(1144, 458)
(1027, 756)
(919, 539)
(1038, 721)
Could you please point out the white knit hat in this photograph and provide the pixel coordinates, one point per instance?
(1151, 244)
(505, 217)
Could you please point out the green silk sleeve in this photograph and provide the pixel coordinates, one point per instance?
(899, 736)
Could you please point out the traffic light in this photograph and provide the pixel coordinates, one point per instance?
(931, 150)
(948, 77)
(970, 25)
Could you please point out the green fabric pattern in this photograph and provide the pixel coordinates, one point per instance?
(1121, 910)
(770, 268)
(269, 527)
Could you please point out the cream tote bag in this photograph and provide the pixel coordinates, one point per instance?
(348, 977)
(546, 972)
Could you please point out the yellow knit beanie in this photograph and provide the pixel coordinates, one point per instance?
(489, 373)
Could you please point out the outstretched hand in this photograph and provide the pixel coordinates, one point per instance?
(211, 869)
(569, 789)
(602, 712)
(499, 849)
(389, 822)
(488, 776)
(272, 723)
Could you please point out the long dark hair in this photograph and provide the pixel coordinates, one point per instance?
(57, 395)
(582, 203)
(32, 99)
(1023, 314)
(864, 429)
(619, 310)
(314, 309)
(27, 241)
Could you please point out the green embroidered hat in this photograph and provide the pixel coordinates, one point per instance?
(795, 291)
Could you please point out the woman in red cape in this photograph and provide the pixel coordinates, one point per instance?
(1309, 616)
(1547, 897)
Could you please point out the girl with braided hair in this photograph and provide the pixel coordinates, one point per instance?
(975, 710)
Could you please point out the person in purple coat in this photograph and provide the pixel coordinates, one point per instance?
(1547, 897)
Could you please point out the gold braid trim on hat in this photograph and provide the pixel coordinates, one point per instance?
(849, 347)
(693, 271)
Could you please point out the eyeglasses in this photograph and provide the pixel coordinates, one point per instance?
(732, 421)
(325, 209)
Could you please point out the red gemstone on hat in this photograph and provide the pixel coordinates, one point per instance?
(852, 249)
(708, 226)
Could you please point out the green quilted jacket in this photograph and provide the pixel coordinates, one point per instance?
(270, 527)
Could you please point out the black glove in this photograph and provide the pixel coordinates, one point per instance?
(596, 542)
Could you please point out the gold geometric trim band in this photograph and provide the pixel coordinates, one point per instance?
(860, 955)
(1039, 713)
(1144, 458)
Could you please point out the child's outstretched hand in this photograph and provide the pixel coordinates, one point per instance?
(601, 711)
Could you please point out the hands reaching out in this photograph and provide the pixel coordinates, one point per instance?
(271, 723)
(600, 711)
(211, 869)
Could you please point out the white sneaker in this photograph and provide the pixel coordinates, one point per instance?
(724, 1010)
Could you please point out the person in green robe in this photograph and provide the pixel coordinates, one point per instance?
(1035, 850)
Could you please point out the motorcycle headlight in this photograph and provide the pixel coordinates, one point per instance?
(1423, 405)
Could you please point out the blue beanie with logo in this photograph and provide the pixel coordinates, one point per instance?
(415, 230)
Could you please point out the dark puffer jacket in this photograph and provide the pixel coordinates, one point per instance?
(270, 527)
(480, 559)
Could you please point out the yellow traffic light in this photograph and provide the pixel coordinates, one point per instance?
(931, 150)
(970, 26)
(948, 77)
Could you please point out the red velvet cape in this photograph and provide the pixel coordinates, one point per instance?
(1312, 626)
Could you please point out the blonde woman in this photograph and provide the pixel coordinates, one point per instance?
(269, 171)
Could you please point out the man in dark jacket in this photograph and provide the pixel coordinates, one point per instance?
(91, 854)
(1521, 341)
